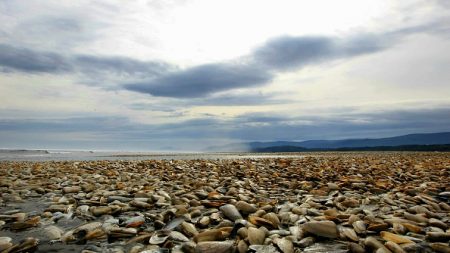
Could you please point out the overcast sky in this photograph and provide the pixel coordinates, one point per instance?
(184, 75)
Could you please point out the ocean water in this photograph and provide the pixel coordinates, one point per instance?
(66, 155)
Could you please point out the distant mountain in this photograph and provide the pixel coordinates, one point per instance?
(410, 139)
(282, 149)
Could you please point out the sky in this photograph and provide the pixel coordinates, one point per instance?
(188, 74)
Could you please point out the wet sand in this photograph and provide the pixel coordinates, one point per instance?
(320, 202)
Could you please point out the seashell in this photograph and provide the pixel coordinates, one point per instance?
(284, 245)
(437, 223)
(121, 232)
(331, 212)
(188, 247)
(53, 233)
(177, 236)
(440, 247)
(394, 247)
(415, 217)
(245, 207)
(359, 226)
(273, 218)
(383, 250)
(214, 247)
(204, 222)
(412, 228)
(321, 228)
(327, 247)
(134, 222)
(231, 212)
(87, 227)
(348, 233)
(398, 228)
(159, 237)
(28, 244)
(140, 204)
(242, 247)
(355, 248)
(378, 227)
(188, 229)
(306, 242)
(209, 235)
(332, 186)
(242, 232)
(394, 238)
(20, 225)
(5, 242)
(418, 209)
(350, 202)
(263, 249)
(280, 232)
(139, 239)
(260, 222)
(71, 189)
(95, 234)
(137, 249)
(296, 232)
(174, 223)
(373, 243)
(100, 210)
(256, 236)
(438, 236)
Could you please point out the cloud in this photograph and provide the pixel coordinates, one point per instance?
(16, 59)
(198, 133)
(293, 52)
(26, 60)
(203, 80)
(285, 53)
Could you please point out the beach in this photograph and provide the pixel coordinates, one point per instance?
(293, 202)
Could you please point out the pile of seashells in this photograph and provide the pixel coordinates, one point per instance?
(346, 202)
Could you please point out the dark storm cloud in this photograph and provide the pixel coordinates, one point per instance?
(281, 54)
(15, 59)
(203, 80)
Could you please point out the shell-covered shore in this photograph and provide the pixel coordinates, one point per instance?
(336, 202)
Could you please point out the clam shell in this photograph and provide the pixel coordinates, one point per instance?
(394, 247)
(159, 237)
(177, 236)
(245, 207)
(53, 232)
(286, 246)
(263, 249)
(209, 235)
(189, 229)
(359, 226)
(321, 228)
(214, 247)
(394, 238)
(256, 236)
(5, 242)
(231, 212)
(349, 233)
(355, 248)
(273, 218)
(242, 247)
(260, 222)
(440, 247)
